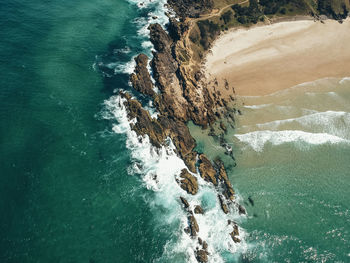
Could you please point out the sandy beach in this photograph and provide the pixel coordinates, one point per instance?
(267, 58)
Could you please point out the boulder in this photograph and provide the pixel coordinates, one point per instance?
(198, 210)
(194, 228)
(184, 202)
(188, 182)
(223, 204)
(241, 210)
(202, 256)
(207, 170)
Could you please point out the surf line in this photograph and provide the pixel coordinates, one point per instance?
(163, 148)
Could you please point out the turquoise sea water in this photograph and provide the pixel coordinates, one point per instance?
(65, 193)
(69, 186)
(292, 151)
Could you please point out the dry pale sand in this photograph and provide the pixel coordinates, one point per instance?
(264, 59)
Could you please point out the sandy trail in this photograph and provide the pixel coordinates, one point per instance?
(264, 59)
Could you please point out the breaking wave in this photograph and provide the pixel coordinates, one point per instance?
(258, 139)
(158, 169)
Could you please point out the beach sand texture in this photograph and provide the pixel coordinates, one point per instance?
(264, 59)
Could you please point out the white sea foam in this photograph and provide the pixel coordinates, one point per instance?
(344, 80)
(158, 169)
(332, 122)
(255, 107)
(258, 139)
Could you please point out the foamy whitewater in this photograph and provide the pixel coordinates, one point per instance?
(303, 126)
(159, 169)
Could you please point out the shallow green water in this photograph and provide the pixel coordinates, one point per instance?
(292, 151)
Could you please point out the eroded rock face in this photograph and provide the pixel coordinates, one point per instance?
(141, 79)
(188, 182)
(207, 170)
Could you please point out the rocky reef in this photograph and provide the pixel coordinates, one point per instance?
(179, 95)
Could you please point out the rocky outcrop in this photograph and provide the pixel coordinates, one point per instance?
(235, 233)
(188, 182)
(165, 70)
(141, 79)
(228, 190)
(223, 204)
(241, 210)
(184, 202)
(193, 225)
(207, 170)
(202, 255)
(182, 97)
(198, 210)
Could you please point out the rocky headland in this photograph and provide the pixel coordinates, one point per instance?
(181, 94)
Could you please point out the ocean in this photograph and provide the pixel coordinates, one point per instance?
(76, 185)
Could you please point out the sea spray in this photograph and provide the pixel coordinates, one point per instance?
(159, 168)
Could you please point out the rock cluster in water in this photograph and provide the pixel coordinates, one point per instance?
(182, 97)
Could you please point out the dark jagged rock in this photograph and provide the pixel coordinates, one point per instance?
(200, 241)
(179, 133)
(193, 225)
(205, 245)
(188, 182)
(228, 190)
(141, 79)
(202, 256)
(144, 125)
(198, 210)
(207, 170)
(159, 129)
(223, 204)
(235, 239)
(241, 210)
(184, 202)
(190, 161)
(159, 38)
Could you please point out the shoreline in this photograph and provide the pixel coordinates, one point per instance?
(279, 56)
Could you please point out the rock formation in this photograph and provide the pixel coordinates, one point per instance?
(188, 182)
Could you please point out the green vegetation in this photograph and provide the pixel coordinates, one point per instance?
(337, 9)
(248, 14)
(208, 31)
